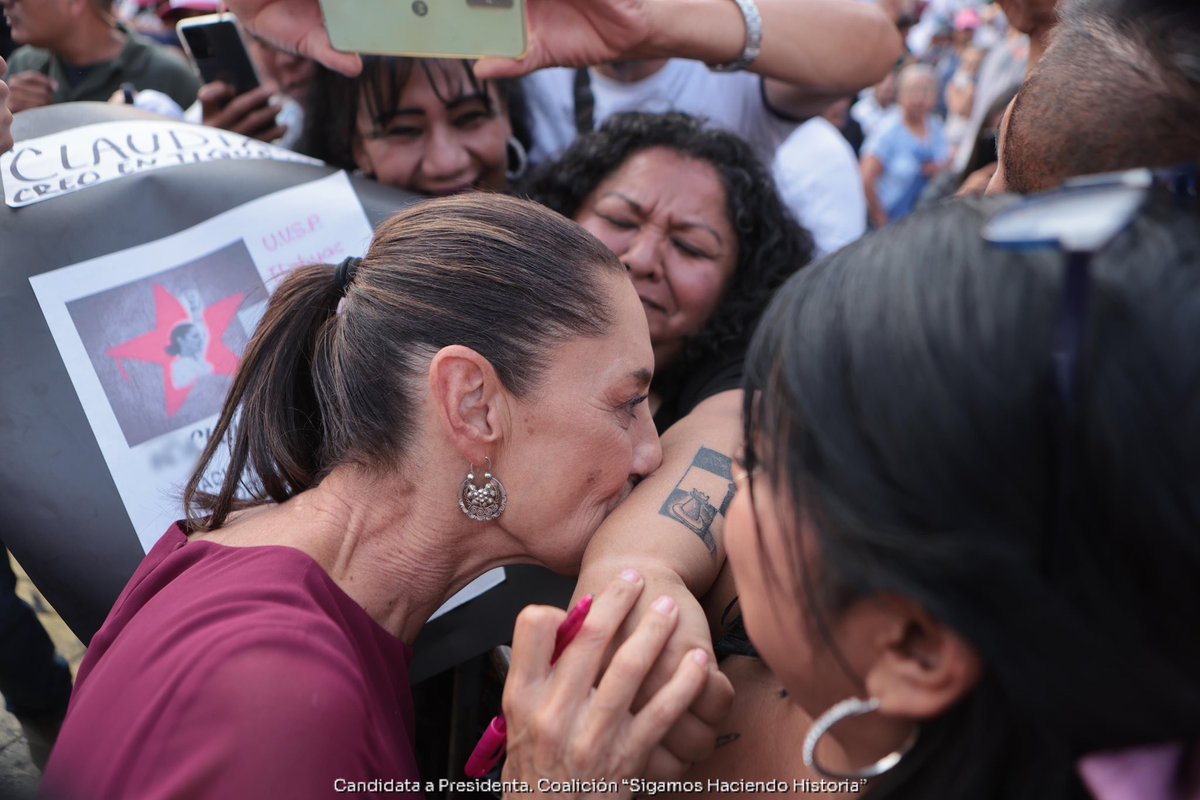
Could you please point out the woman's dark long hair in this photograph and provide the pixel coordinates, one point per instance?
(900, 394)
(771, 244)
(333, 377)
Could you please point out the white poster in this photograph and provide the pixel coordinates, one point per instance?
(65, 162)
(152, 336)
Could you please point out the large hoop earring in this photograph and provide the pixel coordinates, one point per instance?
(848, 708)
(482, 503)
(517, 159)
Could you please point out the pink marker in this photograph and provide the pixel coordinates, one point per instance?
(493, 744)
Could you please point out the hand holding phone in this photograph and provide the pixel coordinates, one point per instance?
(214, 44)
(427, 28)
(252, 114)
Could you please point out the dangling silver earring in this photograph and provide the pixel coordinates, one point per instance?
(851, 707)
(483, 503)
(517, 159)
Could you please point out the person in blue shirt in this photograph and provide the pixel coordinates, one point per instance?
(904, 152)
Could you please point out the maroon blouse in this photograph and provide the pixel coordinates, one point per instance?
(235, 672)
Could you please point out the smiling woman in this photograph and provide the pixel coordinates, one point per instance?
(426, 125)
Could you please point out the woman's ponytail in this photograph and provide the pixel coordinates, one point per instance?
(280, 434)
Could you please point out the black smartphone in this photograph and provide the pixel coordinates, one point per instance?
(214, 44)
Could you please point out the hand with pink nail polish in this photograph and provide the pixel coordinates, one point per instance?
(575, 729)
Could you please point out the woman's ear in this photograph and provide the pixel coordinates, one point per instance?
(922, 667)
(467, 396)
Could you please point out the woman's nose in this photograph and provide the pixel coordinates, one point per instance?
(643, 257)
(445, 156)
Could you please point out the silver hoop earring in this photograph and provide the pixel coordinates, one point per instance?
(517, 158)
(482, 503)
(851, 707)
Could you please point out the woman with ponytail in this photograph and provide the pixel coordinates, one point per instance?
(469, 394)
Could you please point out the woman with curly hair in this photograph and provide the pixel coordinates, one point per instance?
(695, 217)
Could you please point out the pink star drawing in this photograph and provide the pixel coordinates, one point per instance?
(152, 347)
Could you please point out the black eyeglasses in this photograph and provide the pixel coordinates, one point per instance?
(1079, 219)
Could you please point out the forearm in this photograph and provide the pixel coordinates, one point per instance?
(826, 48)
(875, 210)
(673, 522)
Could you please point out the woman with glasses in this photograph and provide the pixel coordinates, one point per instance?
(966, 541)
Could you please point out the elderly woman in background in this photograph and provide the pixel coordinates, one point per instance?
(978, 579)
(261, 648)
(906, 151)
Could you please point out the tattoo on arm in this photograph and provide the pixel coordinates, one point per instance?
(709, 477)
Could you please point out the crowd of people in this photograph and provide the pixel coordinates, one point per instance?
(872, 480)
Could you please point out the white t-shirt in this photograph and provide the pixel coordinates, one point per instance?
(731, 101)
(819, 180)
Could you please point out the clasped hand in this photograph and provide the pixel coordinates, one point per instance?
(563, 725)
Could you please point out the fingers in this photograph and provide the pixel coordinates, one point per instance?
(580, 663)
(663, 765)
(714, 703)
(634, 660)
(318, 47)
(533, 644)
(213, 97)
(490, 68)
(6, 140)
(295, 26)
(651, 724)
(690, 739)
(30, 90)
(250, 114)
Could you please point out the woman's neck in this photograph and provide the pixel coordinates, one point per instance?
(396, 551)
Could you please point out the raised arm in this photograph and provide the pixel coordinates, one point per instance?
(671, 530)
(812, 50)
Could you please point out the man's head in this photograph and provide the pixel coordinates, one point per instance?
(47, 23)
(1118, 88)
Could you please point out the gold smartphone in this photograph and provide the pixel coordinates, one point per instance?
(427, 28)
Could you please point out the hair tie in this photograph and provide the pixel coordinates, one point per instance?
(344, 272)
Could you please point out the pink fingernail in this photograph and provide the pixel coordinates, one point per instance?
(632, 575)
(664, 605)
(700, 657)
